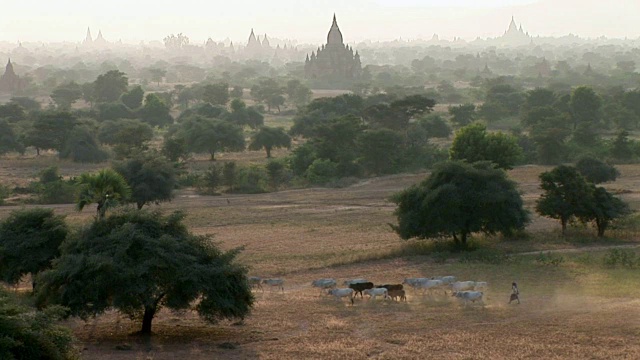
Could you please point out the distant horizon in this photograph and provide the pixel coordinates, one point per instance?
(359, 20)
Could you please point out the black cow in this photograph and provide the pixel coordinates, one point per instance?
(391, 287)
(360, 287)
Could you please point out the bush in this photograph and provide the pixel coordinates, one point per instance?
(321, 171)
(549, 259)
(189, 179)
(210, 181)
(29, 334)
(620, 257)
(58, 192)
(252, 180)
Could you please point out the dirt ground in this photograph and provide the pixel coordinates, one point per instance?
(301, 235)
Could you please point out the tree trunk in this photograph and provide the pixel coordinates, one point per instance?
(140, 205)
(463, 239)
(268, 149)
(37, 151)
(149, 313)
(100, 210)
(563, 221)
(213, 156)
(602, 226)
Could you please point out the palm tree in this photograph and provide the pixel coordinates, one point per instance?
(106, 188)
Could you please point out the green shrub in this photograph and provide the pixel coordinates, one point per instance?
(189, 179)
(58, 192)
(620, 257)
(29, 334)
(549, 259)
(322, 171)
(252, 180)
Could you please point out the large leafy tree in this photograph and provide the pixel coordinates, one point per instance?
(82, 146)
(397, 114)
(109, 86)
(566, 194)
(603, 209)
(380, 150)
(8, 139)
(212, 135)
(126, 135)
(270, 138)
(323, 110)
(458, 199)
(155, 112)
(106, 188)
(472, 143)
(596, 171)
(586, 113)
(29, 241)
(66, 94)
(298, 93)
(463, 115)
(133, 98)
(269, 92)
(151, 178)
(50, 131)
(216, 94)
(164, 266)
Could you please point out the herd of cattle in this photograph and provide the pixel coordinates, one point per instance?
(467, 291)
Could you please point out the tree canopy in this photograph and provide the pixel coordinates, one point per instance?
(29, 241)
(212, 135)
(151, 178)
(164, 266)
(270, 138)
(458, 199)
(109, 86)
(472, 143)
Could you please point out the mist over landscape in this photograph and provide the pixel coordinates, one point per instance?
(324, 179)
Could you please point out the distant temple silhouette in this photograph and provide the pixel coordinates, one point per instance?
(333, 63)
(10, 82)
(515, 35)
(99, 41)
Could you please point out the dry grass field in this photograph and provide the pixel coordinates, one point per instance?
(576, 310)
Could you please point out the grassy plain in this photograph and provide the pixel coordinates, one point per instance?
(578, 309)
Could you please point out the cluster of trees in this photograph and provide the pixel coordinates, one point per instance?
(570, 193)
(352, 136)
(461, 198)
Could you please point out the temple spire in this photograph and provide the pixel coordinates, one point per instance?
(335, 35)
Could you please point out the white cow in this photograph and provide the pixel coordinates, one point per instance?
(467, 296)
(324, 283)
(429, 285)
(462, 286)
(340, 293)
(376, 292)
(254, 282)
(447, 280)
(413, 282)
(277, 283)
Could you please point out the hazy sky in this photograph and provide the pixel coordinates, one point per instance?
(309, 20)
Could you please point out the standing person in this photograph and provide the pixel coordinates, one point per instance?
(515, 293)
